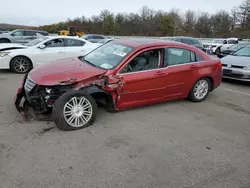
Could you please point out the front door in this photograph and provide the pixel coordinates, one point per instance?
(18, 36)
(54, 50)
(143, 80)
(181, 66)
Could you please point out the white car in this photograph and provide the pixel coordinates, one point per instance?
(10, 46)
(42, 50)
(218, 45)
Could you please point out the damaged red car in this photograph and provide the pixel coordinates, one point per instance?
(119, 75)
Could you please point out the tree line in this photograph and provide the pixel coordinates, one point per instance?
(148, 22)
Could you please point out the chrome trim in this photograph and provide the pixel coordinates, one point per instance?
(162, 68)
(29, 84)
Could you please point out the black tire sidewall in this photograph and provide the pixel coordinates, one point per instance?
(19, 57)
(57, 113)
(4, 41)
(191, 94)
(217, 51)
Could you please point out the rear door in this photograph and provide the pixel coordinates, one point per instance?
(181, 66)
(29, 35)
(74, 47)
(142, 78)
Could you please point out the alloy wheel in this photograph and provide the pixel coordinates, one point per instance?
(77, 111)
(21, 65)
(201, 89)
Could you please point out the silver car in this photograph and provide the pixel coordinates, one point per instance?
(21, 36)
(237, 66)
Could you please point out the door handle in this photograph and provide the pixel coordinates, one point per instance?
(193, 66)
(60, 52)
(158, 73)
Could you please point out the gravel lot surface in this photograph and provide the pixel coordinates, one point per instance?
(175, 144)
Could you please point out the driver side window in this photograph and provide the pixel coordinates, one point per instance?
(54, 43)
(147, 60)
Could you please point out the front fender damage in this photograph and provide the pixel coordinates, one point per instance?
(103, 89)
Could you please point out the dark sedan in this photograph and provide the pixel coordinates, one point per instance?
(232, 49)
(188, 40)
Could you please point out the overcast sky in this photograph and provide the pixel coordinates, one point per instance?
(34, 12)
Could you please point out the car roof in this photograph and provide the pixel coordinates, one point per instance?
(69, 37)
(30, 30)
(140, 43)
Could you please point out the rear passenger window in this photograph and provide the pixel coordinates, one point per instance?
(98, 37)
(73, 42)
(177, 56)
(30, 33)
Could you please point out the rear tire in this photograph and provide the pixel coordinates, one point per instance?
(20, 65)
(74, 110)
(4, 41)
(200, 90)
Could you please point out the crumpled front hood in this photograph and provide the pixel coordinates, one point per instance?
(236, 60)
(64, 70)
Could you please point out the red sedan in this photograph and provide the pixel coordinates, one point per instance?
(119, 75)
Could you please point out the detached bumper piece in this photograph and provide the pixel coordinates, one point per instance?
(24, 109)
(20, 95)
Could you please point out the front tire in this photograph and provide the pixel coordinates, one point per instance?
(20, 65)
(200, 90)
(4, 41)
(217, 51)
(74, 110)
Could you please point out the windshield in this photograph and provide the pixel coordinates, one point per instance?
(243, 52)
(108, 55)
(35, 42)
(236, 47)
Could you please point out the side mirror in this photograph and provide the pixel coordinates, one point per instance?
(42, 46)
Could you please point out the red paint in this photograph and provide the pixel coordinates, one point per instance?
(135, 89)
(62, 70)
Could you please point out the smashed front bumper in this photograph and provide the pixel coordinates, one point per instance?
(20, 95)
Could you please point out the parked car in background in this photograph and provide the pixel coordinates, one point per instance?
(104, 41)
(43, 50)
(94, 38)
(21, 36)
(218, 45)
(237, 65)
(166, 38)
(1, 32)
(119, 75)
(188, 40)
(232, 49)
